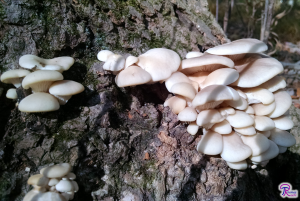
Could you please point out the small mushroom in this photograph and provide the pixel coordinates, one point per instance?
(192, 128)
(64, 185)
(249, 130)
(258, 143)
(222, 127)
(12, 94)
(38, 180)
(114, 63)
(132, 76)
(272, 152)
(241, 165)
(240, 119)
(14, 77)
(63, 90)
(188, 114)
(176, 104)
(56, 171)
(211, 143)
(207, 118)
(130, 61)
(104, 54)
(283, 123)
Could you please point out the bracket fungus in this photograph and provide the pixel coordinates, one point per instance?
(54, 183)
(232, 91)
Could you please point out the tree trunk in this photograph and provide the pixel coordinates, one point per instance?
(266, 20)
(105, 132)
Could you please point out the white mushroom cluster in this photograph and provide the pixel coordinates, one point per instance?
(54, 183)
(232, 91)
(49, 90)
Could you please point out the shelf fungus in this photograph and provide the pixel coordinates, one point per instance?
(54, 183)
(231, 91)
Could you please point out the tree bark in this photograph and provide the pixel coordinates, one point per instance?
(105, 132)
(266, 20)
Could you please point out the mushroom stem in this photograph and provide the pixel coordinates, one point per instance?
(62, 100)
(41, 87)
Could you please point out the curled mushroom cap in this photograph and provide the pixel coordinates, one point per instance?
(160, 63)
(59, 63)
(207, 118)
(258, 72)
(237, 47)
(214, 95)
(64, 185)
(66, 88)
(11, 94)
(283, 123)
(40, 81)
(211, 143)
(199, 77)
(204, 63)
(132, 76)
(130, 60)
(176, 103)
(240, 119)
(14, 77)
(274, 84)
(241, 165)
(240, 104)
(282, 138)
(193, 54)
(263, 109)
(222, 127)
(283, 102)
(192, 128)
(114, 63)
(263, 123)
(56, 171)
(223, 76)
(38, 180)
(176, 77)
(234, 150)
(39, 102)
(184, 89)
(259, 95)
(271, 152)
(104, 54)
(249, 130)
(258, 143)
(188, 114)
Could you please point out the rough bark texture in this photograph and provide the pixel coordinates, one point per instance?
(106, 132)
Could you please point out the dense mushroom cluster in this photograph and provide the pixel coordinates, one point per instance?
(232, 91)
(49, 90)
(54, 183)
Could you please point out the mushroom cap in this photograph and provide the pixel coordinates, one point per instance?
(208, 118)
(66, 88)
(257, 95)
(75, 186)
(58, 63)
(53, 182)
(225, 111)
(271, 152)
(160, 63)
(175, 78)
(12, 94)
(258, 72)
(193, 54)
(104, 54)
(214, 93)
(39, 102)
(192, 128)
(240, 119)
(41, 76)
(265, 133)
(222, 127)
(274, 84)
(114, 63)
(211, 143)
(10, 76)
(282, 149)
(258, 143)
(283, 123)
(130, 60)
(234, 150)
(38, 180)
(222, 76)
(34, 195)
(283, 102)
(204, 63)
(249, 110)
(240, 104)
(176, 103)
(263, 109)
(188, 114)
(71, 176)
(249, 130)
(282, 138)
(199, 77)
(246, 45)
(56, 171)
(131, 76)
(51, 196)
(241, 165)
(64, 186)
(184, 89)
(263, 123)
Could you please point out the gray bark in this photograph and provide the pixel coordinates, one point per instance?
(106, 131)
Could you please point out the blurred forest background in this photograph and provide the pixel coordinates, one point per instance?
(276, 22)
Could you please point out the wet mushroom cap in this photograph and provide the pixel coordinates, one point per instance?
(39, 102)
